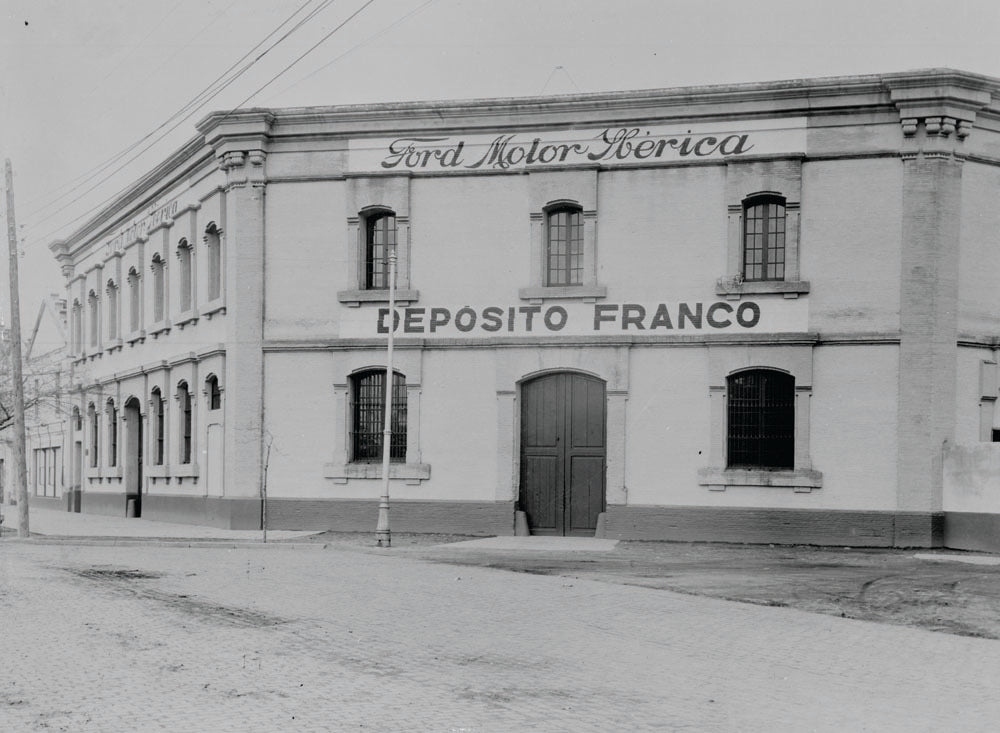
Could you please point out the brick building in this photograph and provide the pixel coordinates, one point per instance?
(757, 312)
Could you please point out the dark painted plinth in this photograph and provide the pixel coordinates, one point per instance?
(968, 531)
(110, 505)
(774, 526)
(456, 517)
(210, 511)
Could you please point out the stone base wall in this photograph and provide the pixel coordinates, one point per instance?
(210, 511)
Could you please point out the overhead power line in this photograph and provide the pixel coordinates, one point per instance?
(200, 100)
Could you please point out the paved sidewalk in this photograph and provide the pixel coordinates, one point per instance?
(60, 524)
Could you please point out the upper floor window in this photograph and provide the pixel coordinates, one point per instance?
(95, 322)
(184, 395)
(133, 299)
(184, 274)
(213, 392)
(156, 398)
(369, 416)
(112, 412)
(564, 246)
(764, 238)
(159, 291)
(380, 236)
(112, 310)
(213, 242)
(77, 419)
(761, 420)
(77, 327)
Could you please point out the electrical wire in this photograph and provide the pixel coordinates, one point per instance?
(200, 97)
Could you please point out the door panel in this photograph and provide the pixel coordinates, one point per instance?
(562, 453)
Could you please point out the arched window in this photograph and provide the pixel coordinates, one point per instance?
(77, 327)
(77, 419)
(159, 291)
(95, 323)
(564, 246)
(112, 310)
(184, 274)
(213, 243)
(184, 398)
(156, 398)
(112, 413)
(133, 299)
(213, 392)
(380, 236)
(92, 419)
(761, 420)
(368, 403)
(764, 237)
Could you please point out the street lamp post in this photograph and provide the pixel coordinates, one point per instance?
(383, 537)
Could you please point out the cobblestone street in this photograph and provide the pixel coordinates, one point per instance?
(138, 638)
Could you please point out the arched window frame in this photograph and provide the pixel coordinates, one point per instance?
(185, 275)
(368, 416)
(94, 326)
(760, 420)
(186, 416)
(213, 246)
(764, 237)
(92, 419)
(213, 392)
(112, 414)
(380, 238)
(564, 245)
(134, 300)
(159, 433)
(158, 269)
(77, 419)
(113, 309)
(77, 327)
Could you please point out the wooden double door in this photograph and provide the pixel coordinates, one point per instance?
(563, 453)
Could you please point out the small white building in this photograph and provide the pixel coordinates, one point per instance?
(760, 312)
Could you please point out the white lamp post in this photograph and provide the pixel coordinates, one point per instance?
(382, 535)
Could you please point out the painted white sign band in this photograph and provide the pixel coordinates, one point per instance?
(580, 319)
(592, 146)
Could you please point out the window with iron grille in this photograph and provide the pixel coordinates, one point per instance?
(764, 238)
(380, 236)
(761, 420)
(564, 247)
(92, 418)
(369, 416)
(214, 393)
(157, 400)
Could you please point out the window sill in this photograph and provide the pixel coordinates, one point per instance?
(161, 470)
(92, 472)
(800, 480)
(734, 290)
(188, 316)
(412, 473)
(539, 294)
(95, 352)
(213, 307)
(112, 472)
(159, 327)
(136, 337)
(113, 345)
(183, 470)
(354, 298)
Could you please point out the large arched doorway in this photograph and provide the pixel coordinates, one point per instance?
(133, 458)
(563, 453)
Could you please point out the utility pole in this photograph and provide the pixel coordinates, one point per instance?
(20, 459)
(383, 537)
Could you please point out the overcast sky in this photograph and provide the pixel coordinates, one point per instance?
(82, 80)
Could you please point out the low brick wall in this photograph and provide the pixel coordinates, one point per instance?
(775, 526)
(209, 511)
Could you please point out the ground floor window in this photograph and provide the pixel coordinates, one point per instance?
(368, 402)
(45, 465)
(761, 420)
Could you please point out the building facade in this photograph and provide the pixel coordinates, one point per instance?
(762, 312)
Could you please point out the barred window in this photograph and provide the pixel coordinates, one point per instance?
(564, 247)
(92, 419)
(380, 236)
(112, 413)
(214, 392)
(764, 238)
(369, 416)
(185, 402)
(761, 419)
